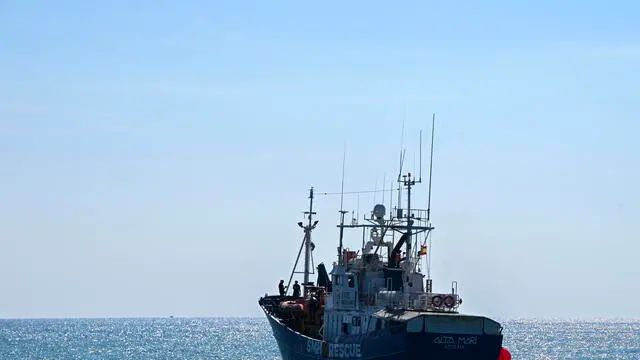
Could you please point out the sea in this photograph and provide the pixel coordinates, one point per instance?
(251, 338)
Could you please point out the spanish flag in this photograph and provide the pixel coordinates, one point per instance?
(423, 250)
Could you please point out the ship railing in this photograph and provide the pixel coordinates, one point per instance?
(431, 301)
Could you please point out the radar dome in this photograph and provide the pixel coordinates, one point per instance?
(379, 211)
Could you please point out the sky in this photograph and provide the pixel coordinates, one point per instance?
(156, 155)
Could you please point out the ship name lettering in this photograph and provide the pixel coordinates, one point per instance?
(444, 340)
(450, 343)
(468, 340)
(344, 351)
(314, 347)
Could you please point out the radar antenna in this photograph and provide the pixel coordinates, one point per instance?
(433, 125)
(342, 211)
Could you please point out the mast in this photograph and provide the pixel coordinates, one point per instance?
(408, 182)
(307, 245)
(307, 240)
(433, 127)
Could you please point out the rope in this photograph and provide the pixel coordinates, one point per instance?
(356, 192)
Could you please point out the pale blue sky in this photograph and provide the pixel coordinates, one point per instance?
(156, 155)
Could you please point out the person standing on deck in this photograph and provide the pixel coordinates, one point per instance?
(296, 289)
(281, 288)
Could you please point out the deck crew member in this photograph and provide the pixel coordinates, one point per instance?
(281, 288)
(396, 258)
(296, 289)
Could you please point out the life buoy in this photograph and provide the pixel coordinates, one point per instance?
(436, 301)
(449, 301)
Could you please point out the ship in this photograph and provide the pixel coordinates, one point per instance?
(375, 302)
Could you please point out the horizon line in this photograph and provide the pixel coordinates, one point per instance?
(510, 319)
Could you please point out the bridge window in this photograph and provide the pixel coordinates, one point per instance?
(456, 324)
(396, 327)
(415, 325)
(491, 327)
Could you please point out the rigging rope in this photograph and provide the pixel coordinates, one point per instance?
(356, 192)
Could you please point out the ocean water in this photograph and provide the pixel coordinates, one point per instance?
(250, 338)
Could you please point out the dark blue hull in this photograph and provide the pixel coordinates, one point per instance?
(386, 346)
